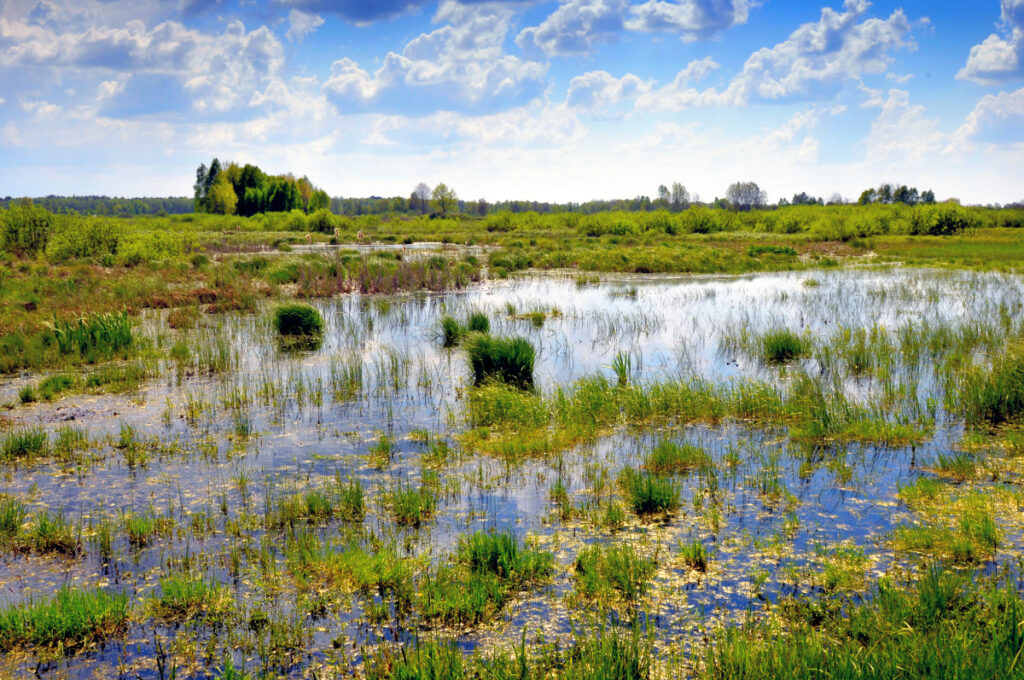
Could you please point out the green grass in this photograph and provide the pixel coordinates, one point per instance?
(503, 555)
(94, 337)
(25, 444)
(616, 569)
(69, 620)
(944, 627)
(411, 506)
(12, 516)
(649, 493)
(55, 534)
(995, 396)
(668, 457)
(783, 345)
(694, 555)
(509, 360)
(182, 597)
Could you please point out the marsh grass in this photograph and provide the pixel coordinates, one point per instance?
(183, 597)
(782, 345)
(945, 626)
(649, 493)
(668, 457)
(612, 570)
(694, 555)
(509, 360)
(53, 533)
(69, 620)
(94, 337)
(996, 395)
(25, 444)
(505, 556)
(411, 506)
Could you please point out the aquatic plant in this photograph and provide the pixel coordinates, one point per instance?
(509, 360)
(298, 320)
(69, 620)
(783, 345)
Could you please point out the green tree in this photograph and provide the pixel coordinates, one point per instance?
(221, 198)
(443, 199)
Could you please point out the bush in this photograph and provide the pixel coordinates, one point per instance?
(509, 360)
(298, 320)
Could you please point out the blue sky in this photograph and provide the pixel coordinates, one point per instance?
(559, 101)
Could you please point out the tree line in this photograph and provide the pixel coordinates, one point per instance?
(108, 206)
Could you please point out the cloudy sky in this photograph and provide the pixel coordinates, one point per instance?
(559, 101)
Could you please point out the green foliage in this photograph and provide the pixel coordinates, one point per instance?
(24, 444)
(25, 228)
(509, 360)
(298, 320)
(411, 505)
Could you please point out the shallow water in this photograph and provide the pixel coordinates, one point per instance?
(306, 430)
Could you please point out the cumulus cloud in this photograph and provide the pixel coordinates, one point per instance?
(301, 24)
(902, 131)
(368, 11)
(999, 58)
(210, 72)
(695, 19)
(997, 118)
(813, 63)
(461, 65)
(575, 28)
(600, 90)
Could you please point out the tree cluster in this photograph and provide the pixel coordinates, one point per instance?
(247, 190)
(898, 193)
(107, 206)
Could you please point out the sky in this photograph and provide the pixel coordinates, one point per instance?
(520, 99)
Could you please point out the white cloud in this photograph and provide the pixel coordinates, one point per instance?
(695, 19)
(902, 132)
(999, 58)
(301, 24)
(599, 90)
(1004, 110)
(461, 65)
(813, 63)
(575, 28)
(180, 65)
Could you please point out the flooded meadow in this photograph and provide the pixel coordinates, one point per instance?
(691, 453)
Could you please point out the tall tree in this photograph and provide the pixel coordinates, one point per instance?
(680, 198)
(443, 199)
(746, 195)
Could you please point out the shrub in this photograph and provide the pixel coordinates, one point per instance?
(298, 320)
(509, 360)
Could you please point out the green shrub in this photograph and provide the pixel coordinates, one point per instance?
(298, 320)
(509, 360)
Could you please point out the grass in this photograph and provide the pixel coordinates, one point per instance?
(649, 493)
(995, 396)
(694, 555)
(68, 621)
(25, 444)
(615, 570)
(184, 597)
(503, 555)
(298, 320)
(94, 337)
(508, 360)
(411, 506)
(668, 457)
(783, 345)
(943, 627)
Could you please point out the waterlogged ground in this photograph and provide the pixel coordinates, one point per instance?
(232, 425)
